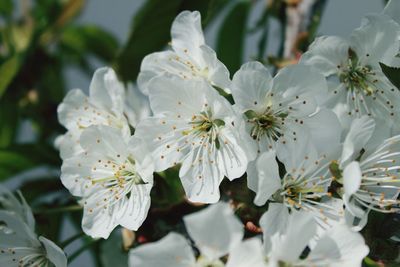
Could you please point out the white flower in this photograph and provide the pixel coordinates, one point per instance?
(285, 107)
(354, 71)
(104, 106)
(191, 58)
(19, 245)
(197, 127)
(113, 176)
(304, 186)
(369, 176)
(339, 246)
(215, 231)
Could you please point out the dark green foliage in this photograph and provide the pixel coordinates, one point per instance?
(231, 37)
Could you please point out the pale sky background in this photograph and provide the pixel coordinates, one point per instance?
(340, 18)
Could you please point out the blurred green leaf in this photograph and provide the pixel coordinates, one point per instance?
(231, 37)
(8, 121)
(89, 39)
(168, 190)
(12, 163)
(111, 251)
(20, 158)
(8, 70)
(393, 74)
(150, 32)
(208, 8)
(6, 7)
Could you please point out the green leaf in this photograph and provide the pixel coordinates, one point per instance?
(19, 158)
(89, 39)
(392, 73)
(6, 7)
(150, 33)
(208, 8)
(12, 163)
(8, 121)
(231, 37)
(8, 70)
(111, 250)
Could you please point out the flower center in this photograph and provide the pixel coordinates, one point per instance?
(296, 191)
(123, 174)
(357, 78)
(203, 124)
(266, 124)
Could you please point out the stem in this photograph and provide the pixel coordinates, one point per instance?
(82, 249)
(68, 241)
(58, 210)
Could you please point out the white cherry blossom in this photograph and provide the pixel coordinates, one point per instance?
(190, 57)
(304, 186)
(113, 177)
(369, 175)
(284, 107)
(19, 244)
(195, 126)
(352, 67)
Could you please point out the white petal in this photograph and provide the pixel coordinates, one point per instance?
(171, 251)
(74, 173)
(201, 180)
(297, 154)
(66, 110)
(250, 85)
(187, 34)
(267, 176)
(326, 53)
(360, 132)
(104, 140)
(98, 222)
(273, 221)
(215, 230)
(339, 247)
(175, 95)
(144, 162)
(19, 207)
(137, 105)
(134, 210)
(392, 9)
(351, 178)
(15, 232)
(232, 158)
(159, 63)
(214, 70)
(68, 144)
(106, 91)
(248, 253)
(290, 80)
(162, 140)
(55, 254)
(325, 130)
(377, 40)
(300, 229)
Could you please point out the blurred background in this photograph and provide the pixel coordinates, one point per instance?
(50, 46)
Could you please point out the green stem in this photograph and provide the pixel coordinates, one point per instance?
(58, 210)
(68, 241)
(82, 249)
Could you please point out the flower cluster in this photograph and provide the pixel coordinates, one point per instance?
(318, 141)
